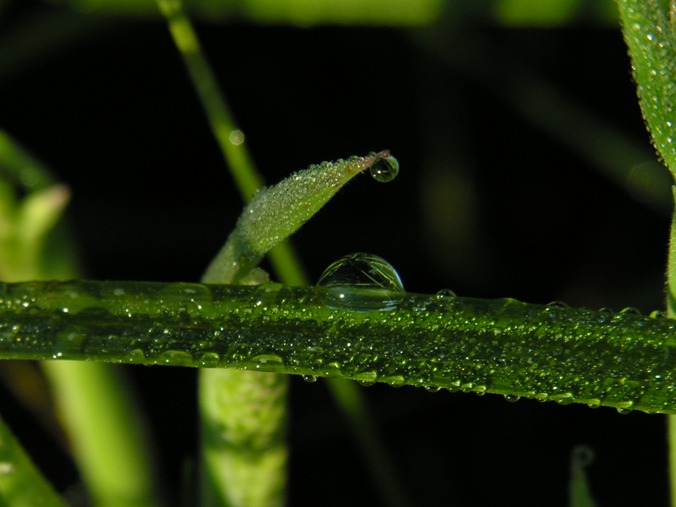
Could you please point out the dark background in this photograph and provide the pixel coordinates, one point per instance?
(488, 203)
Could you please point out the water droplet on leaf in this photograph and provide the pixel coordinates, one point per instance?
(209, 360)
(361, 270)
(594, 403)
(512, 398)
(445, 294)
(309, 378)
(385, 168)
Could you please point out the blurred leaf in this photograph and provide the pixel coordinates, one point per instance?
(21, 484)
(553, 12)
(295, 12)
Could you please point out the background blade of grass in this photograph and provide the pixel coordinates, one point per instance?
(96, 405)
(21, 484)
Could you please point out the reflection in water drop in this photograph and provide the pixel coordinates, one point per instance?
(385, 168)
(309, 378)
(445, 294)
(361, 270)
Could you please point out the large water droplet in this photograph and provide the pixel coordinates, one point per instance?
(385, 168)
(361, 270)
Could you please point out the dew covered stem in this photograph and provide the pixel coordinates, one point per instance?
(548, 352)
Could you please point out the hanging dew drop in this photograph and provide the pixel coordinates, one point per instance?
(385, 168)
(361, 270)
(309, 378)
(512, 398)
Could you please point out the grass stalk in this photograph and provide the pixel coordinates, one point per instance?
(547, 352)
(96, 405)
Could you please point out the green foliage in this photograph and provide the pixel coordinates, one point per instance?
(650, 33)
(21, 484)
(622, 384)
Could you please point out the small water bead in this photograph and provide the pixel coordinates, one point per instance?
(480, 390)
(512, 398)
(625, 407)
(361, 270)
(445, 294)
(385, 168)
(136, 356)
(367, 378)
(266, 361)
(310, 378)
(594, 403)
(395, 380)
(209, 360)
(432, 389)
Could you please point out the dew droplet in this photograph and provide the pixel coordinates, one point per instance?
(467, 387)
(395, 380)
(625, 407)
(480, 390)
(541, 397)
(367, 378)
(136, 356)
(361, 270)
(432, 389)
(385, 168)
(209, 360)
(175, 358)
(333, 369)
(266, 361)
(310, 378)
(445, 294)
(512, 398)
(594, 403)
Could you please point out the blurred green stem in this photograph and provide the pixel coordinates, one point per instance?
(97, 406)
(106, 431)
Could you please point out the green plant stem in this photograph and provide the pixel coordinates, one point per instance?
(671, 312)
(21, 484)
(283, 258)
(355, 409)
(649, 29)
(223, 125)
(109, 442)
(547, 352)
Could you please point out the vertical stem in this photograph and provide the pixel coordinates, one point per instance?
(244, 453)
(107, 434)
(229, 137)
(217, 429)
(671, 312)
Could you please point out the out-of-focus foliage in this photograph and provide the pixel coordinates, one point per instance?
(544, 13)
(296, 12)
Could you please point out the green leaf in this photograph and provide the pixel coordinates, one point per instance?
(21, 484)
(277, 212)
(649, 33)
